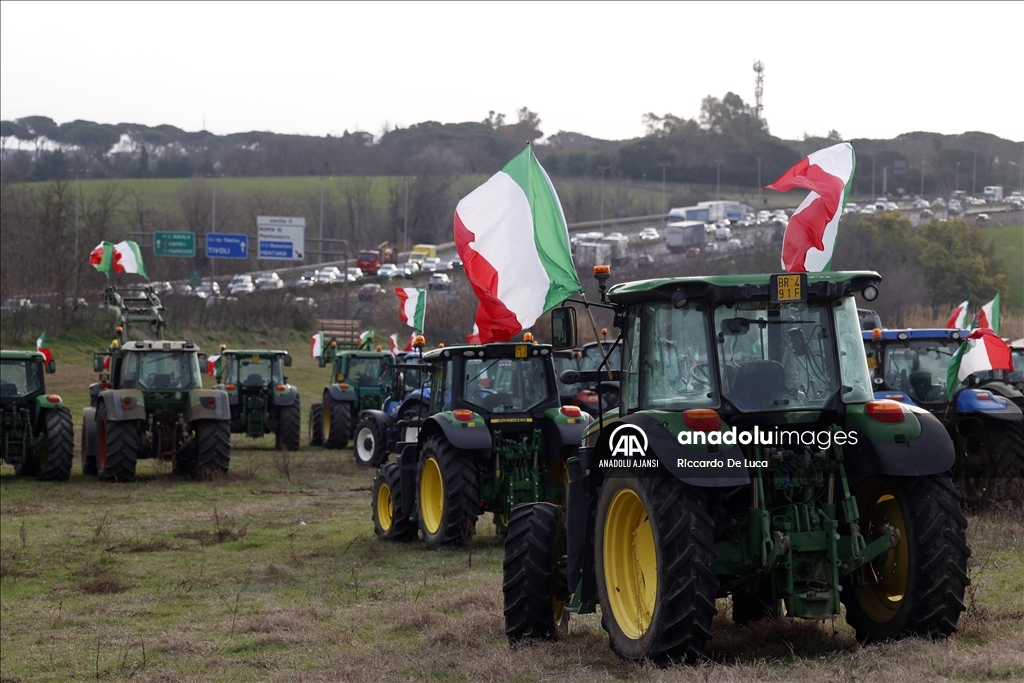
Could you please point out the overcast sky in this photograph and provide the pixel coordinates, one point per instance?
(865, 70)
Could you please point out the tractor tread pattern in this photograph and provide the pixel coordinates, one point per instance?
(403, 528)
(316, 424)
(289, 429)
(60, 445)
(1006, 440)
(89, 441)
(122, 449)
(462, 498)
(530, 577)
(341, 424)
(213, 447)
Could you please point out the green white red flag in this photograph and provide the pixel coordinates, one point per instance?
(514, 244)
(980, 351)
(394, 344)
(474, 336)
(211, 364)
(365, 340)
(123, 257)
(810, 236)
(958, 318)
(316, 345)
(412, 306)
(41, 347)
(988, 315)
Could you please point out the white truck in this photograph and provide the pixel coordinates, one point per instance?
(993, 193)
(682, 235)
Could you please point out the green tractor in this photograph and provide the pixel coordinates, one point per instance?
(748, 459)
(261, 400)
(149, 401)
(37, 435)
(361, 380)
(496, 437)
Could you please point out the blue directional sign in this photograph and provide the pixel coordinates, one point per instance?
(227, 245)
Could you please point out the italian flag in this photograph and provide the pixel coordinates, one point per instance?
(412, 341)
(316, 345)
(211, 365)
(412, 306)
(41, 347)
(123, 257)
(958, 318)
(811, 234)
(988, 316)
(512, 238)
(365, 339)
(474, 336)
(981, 350)
(394, 344)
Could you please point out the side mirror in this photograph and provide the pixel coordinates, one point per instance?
(288, 361)
(97, 363)
(563, 328)
(321, 361)
(51, 367)
(202, 357)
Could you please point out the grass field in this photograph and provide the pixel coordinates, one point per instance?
(1009, 244)
(273, 573)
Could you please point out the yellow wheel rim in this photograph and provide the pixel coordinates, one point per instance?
(384, 507)
(558, 482)
(886, 576)
(325, 419)
(431, 496)
(630, 563)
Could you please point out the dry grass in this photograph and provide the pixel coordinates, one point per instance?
(920, 317)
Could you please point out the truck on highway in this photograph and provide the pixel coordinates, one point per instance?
(370, 260)
(682, 235)
(618, 249)
(993, 193)
(590, 254)
(422, 251)
(710, 212)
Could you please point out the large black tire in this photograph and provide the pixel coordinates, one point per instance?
(655, 559)
(975, 472)
(917, 588)
(1006, 441)
(59, 454)
(117, 447)
(213, 447)
(289, 430)
(337, 423)
(391, 513)
(534, 585)
(749, 606)
(89, 446)
(369, 448)
(448, 498)
(316, 424)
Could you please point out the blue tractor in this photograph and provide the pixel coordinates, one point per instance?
(987, 429)
(379, 431)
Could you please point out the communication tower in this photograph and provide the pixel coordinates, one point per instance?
(759, 86)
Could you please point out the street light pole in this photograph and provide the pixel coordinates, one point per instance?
(922, 177)
(974, 181)
(321, 257)
(78, 198)
(405, 236)
(664, 207)
(718, 180)
(872, 176)
(957, 182)
(760, 191)
(602, 169)
(213, 228)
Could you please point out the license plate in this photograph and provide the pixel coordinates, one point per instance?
(789, 287)
(520, 350)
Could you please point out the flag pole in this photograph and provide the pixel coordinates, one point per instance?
(597, 336)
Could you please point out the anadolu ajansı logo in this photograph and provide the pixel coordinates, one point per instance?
(626, 447)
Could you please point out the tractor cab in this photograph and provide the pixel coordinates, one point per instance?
(21, 376)
(913, 365)
(261, 400)
(159, 366)
(36, 434)
(253, 370)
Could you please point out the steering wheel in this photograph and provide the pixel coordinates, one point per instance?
(700, 373)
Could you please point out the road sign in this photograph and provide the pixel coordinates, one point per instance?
(281, 238)
(195, 278)
(174, 243)
(227, 245)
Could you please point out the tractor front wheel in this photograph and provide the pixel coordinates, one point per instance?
(117, 447)
(213, 447)
(337, 423)
(370, 448)
(59, 453)
(391, 513)
(289, 428)
(534, 585)
(89, 445)
(916, 588)
(655, 558)
(316, 424)
(448, 497)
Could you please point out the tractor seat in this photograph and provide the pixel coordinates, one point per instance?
(161, 381)
(757, 383)
(920, 384)
(253, 380)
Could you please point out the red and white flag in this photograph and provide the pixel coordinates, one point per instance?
(810, 236)
(988, 316)
(41, 347)
(513, 241)
(958, 318)
(211, 365)
(980, 351)
(412, 340)
(316, 345)
(394, 344)
(474, 336)
(412, 306)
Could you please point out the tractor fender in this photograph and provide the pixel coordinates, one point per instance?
(969, 402)
(208, 404)
(124, 404)
(999, 388)
(43, 403)
(94, 393)
(287, 397)
(338, 394)
(459, 434)
(580, 525)
(880, 451)
(232, 395)
(561, 431)
(408, 462)
(384, 422)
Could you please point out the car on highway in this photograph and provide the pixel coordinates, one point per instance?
(328, 275)
(868, 211)
(354, 274)
(765, 216)
(455, 263)
(308, 278)
(1016, 205)
(982, 218)
(163, 288)
(433, 265)
(939, 201)
(209, 289)
(388, 271)
(439, 281)
(241, 284)
(921, 203)
(734, 245)
(692, 252)
(370, 290)
(648, 234)
(183, 289)
(927, 214)
(892, 206)
(409, 269)
(880, 204)
(269, 281)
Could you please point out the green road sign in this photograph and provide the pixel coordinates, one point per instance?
(174, 243)
(195, 278)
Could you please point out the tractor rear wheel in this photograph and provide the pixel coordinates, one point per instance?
(916, 588)
(534, 585)
(337, 422)
(391, 513)
(117, 447)
(316, 424)
(448, 494)
(975, 471)
(655, 558)
(89, 446)
(370, 448)
(1006, 441)
(289, 428)
(57, 457)
(213, 447)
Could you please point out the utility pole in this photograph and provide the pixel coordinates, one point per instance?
(957, 181)
(718, 180)
(922, 177)
(974, 181)
(872, 176)
(78, 198)
(321, 247)
(760, 192)
(405, 238)
(664, 207)
(213, 228)
(602, 169)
